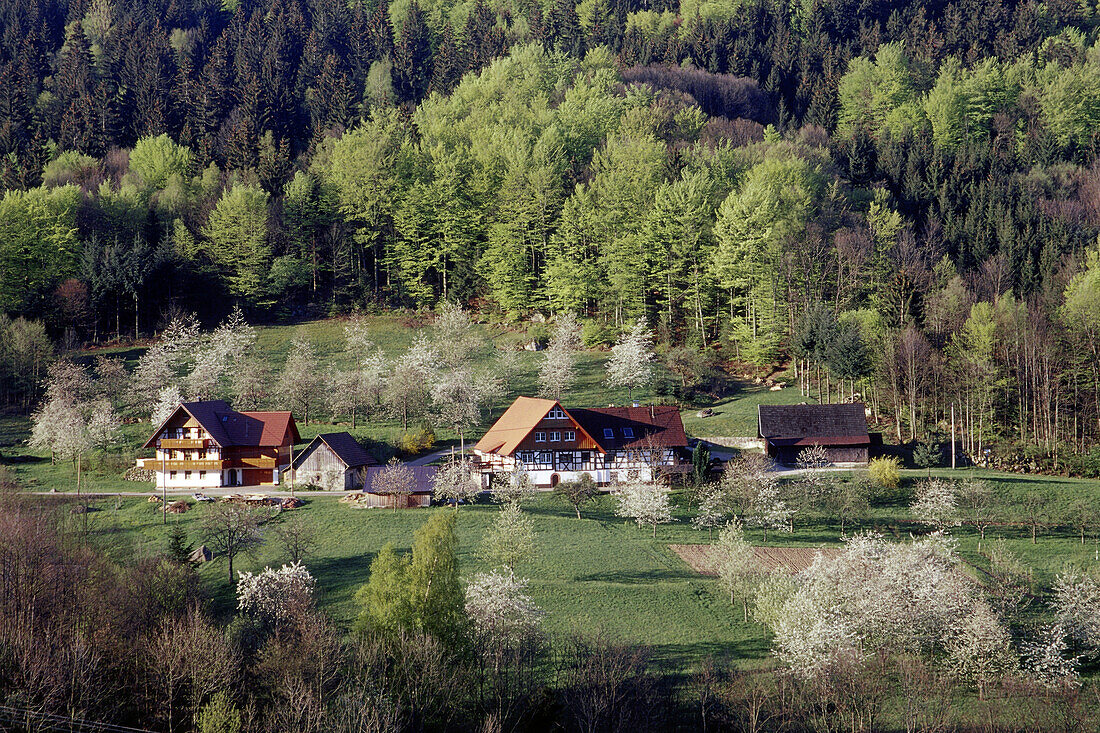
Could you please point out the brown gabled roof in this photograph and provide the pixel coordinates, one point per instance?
(230, 428)
(514, 425)
(652, 426)
(657, 425)
(813, 424)
(346, 448)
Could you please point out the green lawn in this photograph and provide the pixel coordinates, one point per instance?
(598, 573)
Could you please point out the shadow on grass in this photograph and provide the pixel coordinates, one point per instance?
(671, 659)
(637, 578)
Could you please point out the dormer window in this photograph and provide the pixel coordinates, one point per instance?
(608, 433)
(628, 432)
(540, 437)
(556, 414)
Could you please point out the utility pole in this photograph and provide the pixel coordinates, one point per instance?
(163, 485)
(952, 435)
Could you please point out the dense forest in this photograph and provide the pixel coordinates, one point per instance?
(901, 200)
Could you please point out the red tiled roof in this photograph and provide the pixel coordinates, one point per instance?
(655, 425)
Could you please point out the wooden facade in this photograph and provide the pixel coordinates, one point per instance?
(333, 461)
(206, 444)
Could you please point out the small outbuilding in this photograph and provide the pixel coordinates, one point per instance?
(421, 495)
(334, 461)
(786, 430)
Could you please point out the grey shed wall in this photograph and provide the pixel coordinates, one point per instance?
(319, 458)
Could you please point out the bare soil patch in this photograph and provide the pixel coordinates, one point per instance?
(768, 559)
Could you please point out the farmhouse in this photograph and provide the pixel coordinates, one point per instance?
(206, 444)
(787, 430)
(554, 444)
(333, 460)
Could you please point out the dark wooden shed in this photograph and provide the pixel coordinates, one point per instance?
(787, 430)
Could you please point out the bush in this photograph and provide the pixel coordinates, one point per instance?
(417, 441)
(219, 715)
(884, 472)
(595, 334)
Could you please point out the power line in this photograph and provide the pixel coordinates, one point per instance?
(49, 721)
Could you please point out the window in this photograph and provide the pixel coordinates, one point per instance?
(186, 475)
(540, 437)
(202, 474)
(556, 414)
(555, 437)
(546, 458)
(171, 474)
(569, 435)
(608, 433)
(628, 432)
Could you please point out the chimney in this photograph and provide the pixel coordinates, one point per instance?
(652, 413)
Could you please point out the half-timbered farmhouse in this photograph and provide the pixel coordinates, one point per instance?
(206, 444)
(787, 430)
(554, 444)
(333, 461)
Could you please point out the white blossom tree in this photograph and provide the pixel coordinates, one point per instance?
(734, 560)
(631, 362)
(877, 596)
(217, 353)
(711, 512)
(457, 396)
(152, 374)
(456, 481)
(935, 504)
(500, 608)
(510, 539)
(395, 480)
(646, 502)
(275, 595)
(454, 337)
(406, 391)
(558, 367)
(979, 649)
(513, 487)
(59, 426)
(1048, 657)
(168, 399)
(300, 381)
(1077, 608)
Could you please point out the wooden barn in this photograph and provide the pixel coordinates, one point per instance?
(334, 461)
(787, 430)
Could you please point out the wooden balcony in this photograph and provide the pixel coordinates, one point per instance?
(155, 464)
(183, 443)
(251, 462)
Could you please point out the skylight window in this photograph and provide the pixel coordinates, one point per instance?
(608, 433)
(628, 432)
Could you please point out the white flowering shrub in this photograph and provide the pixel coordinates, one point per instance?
(1077, 609)
(646, 502)
(876, 596)
(500, 608)
(1048, 658)
(935, 504)
(275, 595)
